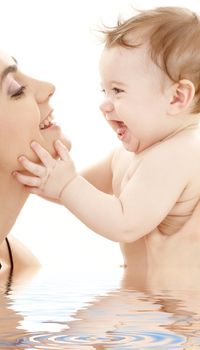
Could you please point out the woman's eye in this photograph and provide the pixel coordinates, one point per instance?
(19, 91)
(12, 87)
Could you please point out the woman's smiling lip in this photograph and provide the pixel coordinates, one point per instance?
(46, 122)
(50, 126)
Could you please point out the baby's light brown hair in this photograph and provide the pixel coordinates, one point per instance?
(173, 35)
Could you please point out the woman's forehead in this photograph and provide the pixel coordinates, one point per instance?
(6, 60)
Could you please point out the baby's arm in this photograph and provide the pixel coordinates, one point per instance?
(100, 174)
(144, 202)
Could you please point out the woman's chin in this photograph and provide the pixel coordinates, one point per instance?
(49, 146)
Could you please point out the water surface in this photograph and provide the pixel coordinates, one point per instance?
(93, 309)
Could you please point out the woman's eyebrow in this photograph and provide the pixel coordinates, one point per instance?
(14, 59)
(6, 71)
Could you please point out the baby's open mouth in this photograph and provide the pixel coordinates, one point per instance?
(121, 131)
(46, 123)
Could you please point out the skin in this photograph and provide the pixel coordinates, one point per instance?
(24, 104)
(145, 191)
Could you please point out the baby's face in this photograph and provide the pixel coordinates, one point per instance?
(25, 115)
(136, 98)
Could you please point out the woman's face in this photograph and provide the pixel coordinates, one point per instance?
(24, 115)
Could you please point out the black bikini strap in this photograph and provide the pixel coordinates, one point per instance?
(10, 254)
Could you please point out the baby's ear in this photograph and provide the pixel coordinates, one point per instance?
(182, 96)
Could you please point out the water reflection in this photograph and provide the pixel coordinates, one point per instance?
(97, 310)
(10, 320)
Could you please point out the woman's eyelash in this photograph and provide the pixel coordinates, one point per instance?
(19, 92)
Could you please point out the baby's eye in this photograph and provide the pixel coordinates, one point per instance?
(117, 91)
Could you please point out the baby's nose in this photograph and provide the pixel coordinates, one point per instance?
(106, 107)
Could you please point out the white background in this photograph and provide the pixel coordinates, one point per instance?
(56, 40)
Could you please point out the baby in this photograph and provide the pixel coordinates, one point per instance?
(149, 187)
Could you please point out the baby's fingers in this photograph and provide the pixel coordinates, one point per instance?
(62, 150)
(27, 180)
(33, 168)
(43, 155)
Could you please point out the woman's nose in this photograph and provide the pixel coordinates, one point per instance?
(43, 91)
(106, 106)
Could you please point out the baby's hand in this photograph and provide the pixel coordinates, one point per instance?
(52, 176)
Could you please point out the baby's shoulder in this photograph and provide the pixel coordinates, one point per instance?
(122, 160)
(184, 145)
(180, 154)
(120, 155)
